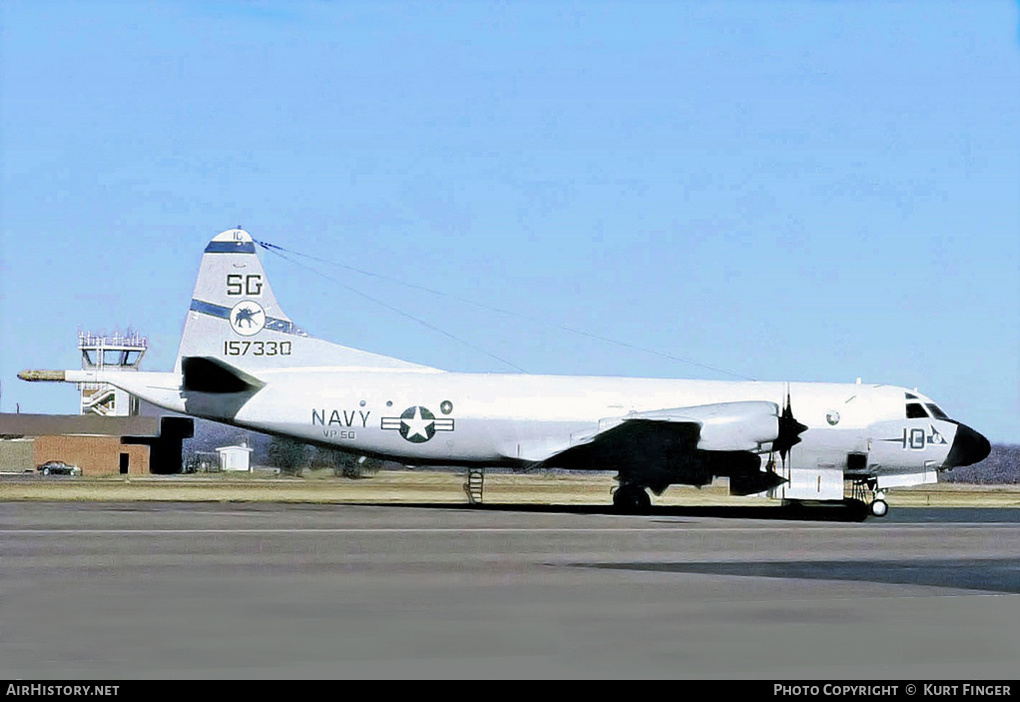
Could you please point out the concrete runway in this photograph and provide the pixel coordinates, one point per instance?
(200, 590)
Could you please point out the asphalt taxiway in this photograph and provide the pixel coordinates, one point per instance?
(206, 590)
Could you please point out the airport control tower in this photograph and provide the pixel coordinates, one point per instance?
(110, 352)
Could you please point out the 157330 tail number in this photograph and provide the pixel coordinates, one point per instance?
(257, 348)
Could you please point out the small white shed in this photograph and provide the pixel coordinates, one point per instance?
(235, 458)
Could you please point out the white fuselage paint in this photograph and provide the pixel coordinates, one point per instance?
(502, 419)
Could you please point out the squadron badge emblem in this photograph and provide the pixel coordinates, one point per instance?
(247, 318)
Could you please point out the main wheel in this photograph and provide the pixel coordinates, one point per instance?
(858, 509)
(880, 508)
(632, 499)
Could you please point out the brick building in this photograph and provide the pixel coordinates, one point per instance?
(133, 445)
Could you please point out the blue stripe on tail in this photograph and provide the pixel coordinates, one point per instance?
(272, 323)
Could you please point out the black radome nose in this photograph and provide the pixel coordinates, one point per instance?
(968, 448)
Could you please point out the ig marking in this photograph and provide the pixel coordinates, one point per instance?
(914, 439)
(340, 417)
(339, 434)
(258, 348)
(249, 285)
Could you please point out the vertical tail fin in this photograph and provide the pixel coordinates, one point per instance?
(235, 318)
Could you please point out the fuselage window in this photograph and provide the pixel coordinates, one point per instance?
(916, 411)
(936, 412)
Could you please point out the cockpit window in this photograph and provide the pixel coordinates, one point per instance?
(936, 412)
(910, 396)
(916, 411)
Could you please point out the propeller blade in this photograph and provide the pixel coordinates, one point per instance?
(789, 431)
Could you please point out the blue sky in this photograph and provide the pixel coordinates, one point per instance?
(785, 191)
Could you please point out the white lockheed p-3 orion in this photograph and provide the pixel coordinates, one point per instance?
(242, 361)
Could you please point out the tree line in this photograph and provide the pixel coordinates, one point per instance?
(292, 456)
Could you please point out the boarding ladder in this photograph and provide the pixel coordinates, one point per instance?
(474, 484)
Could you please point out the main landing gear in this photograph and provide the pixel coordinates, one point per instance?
(870, 497)
(632, 499)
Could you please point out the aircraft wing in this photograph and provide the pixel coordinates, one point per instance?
(678, 440)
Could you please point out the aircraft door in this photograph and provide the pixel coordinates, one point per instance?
(824, 481)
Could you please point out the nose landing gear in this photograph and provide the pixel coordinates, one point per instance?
(867, 493)
(879, 507)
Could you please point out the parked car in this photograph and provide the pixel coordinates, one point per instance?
(58, 468)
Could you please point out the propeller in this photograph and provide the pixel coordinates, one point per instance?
(789, 430)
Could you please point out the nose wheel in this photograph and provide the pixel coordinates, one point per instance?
(867, 493)
(880, 508)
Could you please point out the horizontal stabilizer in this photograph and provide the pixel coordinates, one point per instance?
(210, 375)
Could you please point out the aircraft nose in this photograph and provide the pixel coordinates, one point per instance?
(968, 448)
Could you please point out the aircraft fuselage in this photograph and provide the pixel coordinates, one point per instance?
(496, 419)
